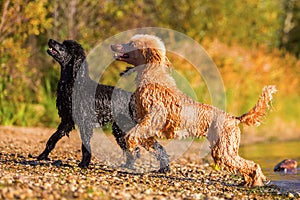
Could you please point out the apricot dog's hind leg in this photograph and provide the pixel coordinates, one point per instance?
(225, 154)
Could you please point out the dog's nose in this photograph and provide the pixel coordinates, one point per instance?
(51, 41)
(116, 47)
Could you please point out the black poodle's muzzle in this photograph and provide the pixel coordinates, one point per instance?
(53, 47)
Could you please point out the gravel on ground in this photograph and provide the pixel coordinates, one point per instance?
(191, 177)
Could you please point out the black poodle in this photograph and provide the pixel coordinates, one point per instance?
(87, 104)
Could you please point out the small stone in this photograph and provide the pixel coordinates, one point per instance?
(290, 195)
(228, 195)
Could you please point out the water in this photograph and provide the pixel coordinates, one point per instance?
(270, 154)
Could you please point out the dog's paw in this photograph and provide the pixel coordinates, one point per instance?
(127, 166)
(43, 157)
(255, 183)
(164, 170)
(83, 165)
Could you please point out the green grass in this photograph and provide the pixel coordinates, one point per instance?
(21, 113)
(22, 106)
(48, 101)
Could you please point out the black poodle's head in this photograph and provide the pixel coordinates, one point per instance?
(65, 52)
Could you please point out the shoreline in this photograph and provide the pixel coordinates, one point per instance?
(191, 177)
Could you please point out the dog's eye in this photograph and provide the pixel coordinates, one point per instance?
(132, 44)
(137, 45)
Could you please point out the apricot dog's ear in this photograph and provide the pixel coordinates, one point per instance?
(152, 55)
(167, 62)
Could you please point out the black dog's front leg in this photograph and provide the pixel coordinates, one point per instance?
(86, 156)
(86, 134)
(62, 130)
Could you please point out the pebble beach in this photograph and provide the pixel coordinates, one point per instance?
(191, 177)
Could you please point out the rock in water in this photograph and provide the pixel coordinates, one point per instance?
(286, 166)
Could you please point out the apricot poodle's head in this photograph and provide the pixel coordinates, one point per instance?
(141, 49)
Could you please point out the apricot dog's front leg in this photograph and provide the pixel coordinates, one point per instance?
(148, 127)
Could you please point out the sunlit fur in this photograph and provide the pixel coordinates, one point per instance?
(164, 111)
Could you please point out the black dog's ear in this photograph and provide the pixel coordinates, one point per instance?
(129, 70)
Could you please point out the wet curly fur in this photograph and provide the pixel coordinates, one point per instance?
(84, 102)
(164, 111)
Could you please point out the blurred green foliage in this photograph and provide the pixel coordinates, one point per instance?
(252, 42)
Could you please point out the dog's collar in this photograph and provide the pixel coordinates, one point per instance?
(129, 70)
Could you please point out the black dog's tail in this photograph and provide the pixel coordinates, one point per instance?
(255, 115)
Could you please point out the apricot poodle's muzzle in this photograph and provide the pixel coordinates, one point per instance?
(119, 51)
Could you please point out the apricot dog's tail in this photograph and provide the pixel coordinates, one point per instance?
(255, 115)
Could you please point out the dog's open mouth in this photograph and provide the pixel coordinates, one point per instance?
(119, 51)
(51, 47)
(52, 50)
(120, 55)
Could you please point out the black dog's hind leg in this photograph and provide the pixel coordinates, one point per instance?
(161, 155)
(62, 130)
(159, 152)
(86, 134)
(120, 138)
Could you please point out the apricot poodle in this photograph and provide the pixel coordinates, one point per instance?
(164, 111)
